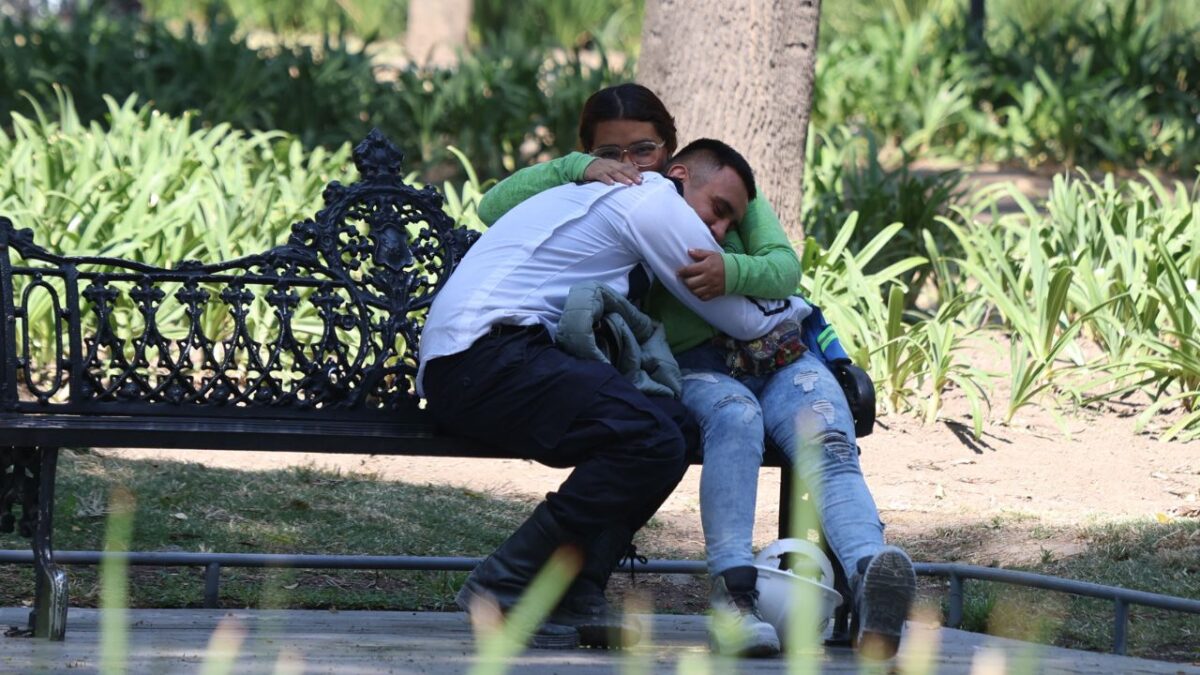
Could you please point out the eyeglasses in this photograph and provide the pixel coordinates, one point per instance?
(642, 153)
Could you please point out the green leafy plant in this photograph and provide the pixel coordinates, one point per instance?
(1174, 354)
(505, 104)
(1030, 292)
(900, 361)
(358, 17)
(844, 174)
(563, 23)
(942, 340)
(1069, 83)
(837, 279)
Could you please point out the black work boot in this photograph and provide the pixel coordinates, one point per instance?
(884, 589)
(584, 606)
(506, 574)
(738, 629)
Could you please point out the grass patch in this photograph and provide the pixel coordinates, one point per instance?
(184, 506)
(1143, 555)
(1148, 556)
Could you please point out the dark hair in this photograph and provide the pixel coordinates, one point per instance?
(627, 101)
(706, 154)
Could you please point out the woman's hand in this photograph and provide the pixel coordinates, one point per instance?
(705, 278)
(610, 171)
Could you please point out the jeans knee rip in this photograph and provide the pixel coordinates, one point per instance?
(750, 409)
(701, 377)
(806, 380)
(837, 446)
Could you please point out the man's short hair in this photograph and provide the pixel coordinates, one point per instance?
(704, 156)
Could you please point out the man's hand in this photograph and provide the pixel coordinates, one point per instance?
(705, 278)
(609, 171)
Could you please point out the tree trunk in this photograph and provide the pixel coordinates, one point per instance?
(436, 28)
(740, 71)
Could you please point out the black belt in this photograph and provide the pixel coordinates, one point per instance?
(499, 329)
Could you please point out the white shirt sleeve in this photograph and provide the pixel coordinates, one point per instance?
(662, 227)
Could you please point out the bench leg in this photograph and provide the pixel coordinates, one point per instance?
(49, 616)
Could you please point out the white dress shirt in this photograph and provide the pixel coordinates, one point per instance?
(520, 271)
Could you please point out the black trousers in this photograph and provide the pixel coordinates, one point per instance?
(516, 391)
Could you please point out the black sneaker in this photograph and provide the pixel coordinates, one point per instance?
(737, 628)
(549, 635)
(883, 596)
(599, 625)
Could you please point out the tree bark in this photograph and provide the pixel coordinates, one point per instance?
(740, 71)
(436, 28)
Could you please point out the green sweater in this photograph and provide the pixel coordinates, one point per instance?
(759, 259)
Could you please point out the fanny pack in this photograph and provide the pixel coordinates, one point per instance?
(763, 355)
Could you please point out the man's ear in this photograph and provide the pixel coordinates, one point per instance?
(679, 171)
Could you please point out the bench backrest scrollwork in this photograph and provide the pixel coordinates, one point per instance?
(328, 323)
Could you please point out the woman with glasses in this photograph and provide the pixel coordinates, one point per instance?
(623, 131)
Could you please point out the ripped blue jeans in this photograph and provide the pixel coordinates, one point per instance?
(802, 409)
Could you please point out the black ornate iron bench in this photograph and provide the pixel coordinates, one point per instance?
(311, 346)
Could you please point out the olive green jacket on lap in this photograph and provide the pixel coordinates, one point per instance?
(759, 259)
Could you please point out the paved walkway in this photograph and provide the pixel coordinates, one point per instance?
(309, 641)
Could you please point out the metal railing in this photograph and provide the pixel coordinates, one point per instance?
(1122, 597)
(213, 562)
(957, 574)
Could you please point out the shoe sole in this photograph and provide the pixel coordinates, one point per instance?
(603, 636)
(619, 632)
(543, 641)
(765, 651)
(756, 644)
(464, 599)
(760, 650)
(889, 586)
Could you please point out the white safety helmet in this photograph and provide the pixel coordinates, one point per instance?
(810, 575)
